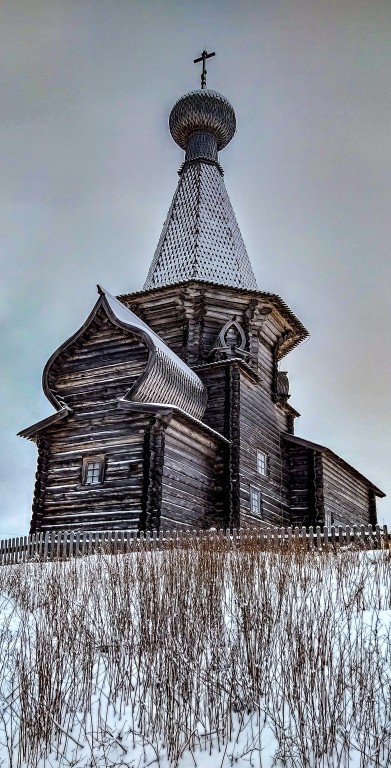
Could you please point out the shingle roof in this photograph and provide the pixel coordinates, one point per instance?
(323, 449)
(167, 379)
(201, 239)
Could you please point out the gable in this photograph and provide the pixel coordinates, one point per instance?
(99, 366)
(128, 360)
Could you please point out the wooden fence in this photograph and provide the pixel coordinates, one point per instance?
(53, 545)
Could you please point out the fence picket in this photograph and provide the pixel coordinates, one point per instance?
(92, 543)
(50, 545)
(30, 553)
(46, 545)
(9, 552)
(71, 544)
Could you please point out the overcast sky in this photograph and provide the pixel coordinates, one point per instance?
(88, 170)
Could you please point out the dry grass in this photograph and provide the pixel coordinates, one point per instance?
(134, 659)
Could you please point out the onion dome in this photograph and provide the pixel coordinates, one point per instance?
(202, 112)
(201, 239)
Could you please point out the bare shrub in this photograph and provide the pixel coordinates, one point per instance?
(253, 653)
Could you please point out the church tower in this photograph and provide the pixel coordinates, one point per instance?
(171, 408)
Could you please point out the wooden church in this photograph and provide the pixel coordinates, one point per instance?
(170, 407)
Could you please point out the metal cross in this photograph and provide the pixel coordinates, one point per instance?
(204, 56)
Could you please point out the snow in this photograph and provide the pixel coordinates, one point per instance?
(188, 657)
(128, 317)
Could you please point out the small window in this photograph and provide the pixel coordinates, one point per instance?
(93, 472)
(262, 462)
(255, 501)
(93, 469)
(327, 519)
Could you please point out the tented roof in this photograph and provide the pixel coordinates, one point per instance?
(201, 239)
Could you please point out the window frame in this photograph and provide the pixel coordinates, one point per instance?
(266, 462)
(258, 492)
(93, 459)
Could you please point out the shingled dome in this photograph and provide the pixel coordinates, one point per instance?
(201, 239)
(202, 111)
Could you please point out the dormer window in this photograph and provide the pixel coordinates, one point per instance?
(262, 462)
(93, 470)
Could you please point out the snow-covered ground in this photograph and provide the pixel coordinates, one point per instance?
(197, 656)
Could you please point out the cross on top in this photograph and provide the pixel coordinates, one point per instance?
(204, 56)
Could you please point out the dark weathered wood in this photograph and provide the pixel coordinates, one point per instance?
(153, 479)
(233, 417)
(65, 544)
(372, 507)
(166, 469)
(260, 429)
(90, 376)
(346, 498)
(43, 444)
(190, 478)
(214, 378)
(318, 490)
(300, 478)
(205, 308)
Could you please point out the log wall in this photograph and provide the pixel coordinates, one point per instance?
(117, 502)
(214, 377)
(346, 495)
(241, 408)
(190, 317)
(98, 368)
(301, 478)
(191, 478)
(167, 313)
(259, 429)
(169, 473)
(90, 376)
(307, 485)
